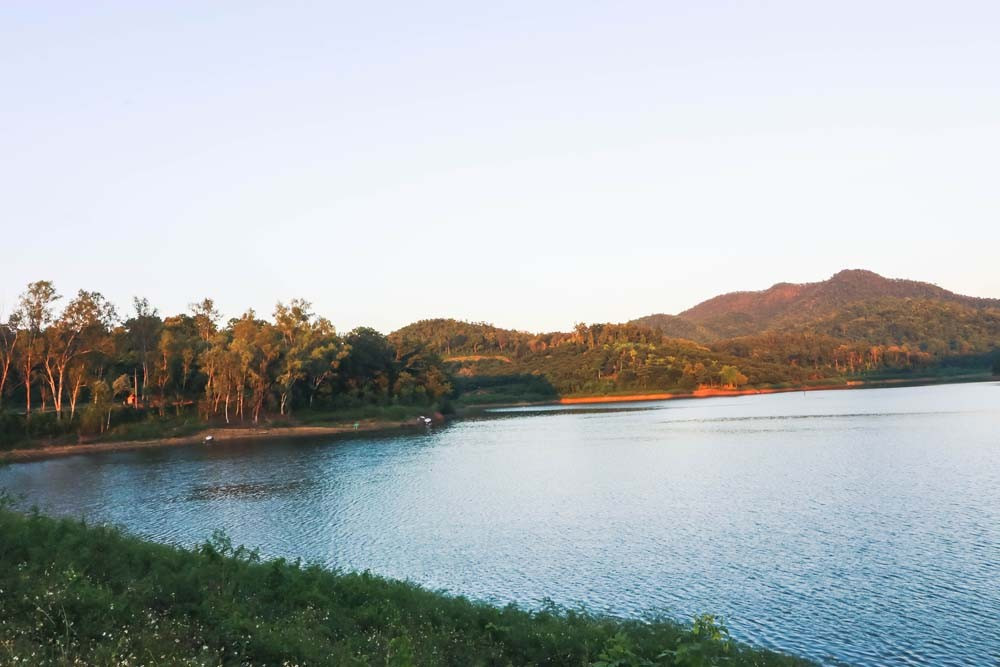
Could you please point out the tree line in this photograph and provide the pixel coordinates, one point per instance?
(80, 362)
(58, 354)
(892, 336)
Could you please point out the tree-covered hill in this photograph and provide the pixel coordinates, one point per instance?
(787, 306)
(75, 368)
(855, 324)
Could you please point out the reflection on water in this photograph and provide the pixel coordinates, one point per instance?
(246, 491)
(858, 527)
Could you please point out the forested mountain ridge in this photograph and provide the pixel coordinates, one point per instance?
(854, 324)
(75, 366)
(788, 306)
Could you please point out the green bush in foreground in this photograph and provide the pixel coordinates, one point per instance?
(72, 594)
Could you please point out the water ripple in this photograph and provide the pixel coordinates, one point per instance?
(855, 528)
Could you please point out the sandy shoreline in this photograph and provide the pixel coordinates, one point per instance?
(217, 434)
(715, 393)
(698, 393)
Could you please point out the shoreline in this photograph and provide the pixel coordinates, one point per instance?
(370, 426)
(218, 434)
(721, 393)
(712, 392)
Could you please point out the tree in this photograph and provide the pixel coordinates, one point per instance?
(325, 357)
(294, 323)
(9, 332)
(176, 349)
(369, 366)
(143, 330)
(228, 379)
(34, 314)
(731, 377)
(102, 398)
(206, 318)
(77, 332)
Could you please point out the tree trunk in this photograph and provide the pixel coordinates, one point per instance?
(3, 377)
(258, 402)
(74, 394)
(52, 386)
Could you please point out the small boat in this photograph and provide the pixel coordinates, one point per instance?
(209, 438)
(424, 420)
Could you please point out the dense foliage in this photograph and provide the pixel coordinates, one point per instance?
(878, 338)
(72, 594)
(857, 305)
(71, 370)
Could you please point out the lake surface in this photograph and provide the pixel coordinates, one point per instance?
(852, 527)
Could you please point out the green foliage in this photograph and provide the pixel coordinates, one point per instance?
(83, 368)
(249, 370)
(618, 652)
(882, 337)
(78, 594)
(705, 644)
(787, 306)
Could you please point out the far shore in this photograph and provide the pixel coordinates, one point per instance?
(714, 392)
(223, 434)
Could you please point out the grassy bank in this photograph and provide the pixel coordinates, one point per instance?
(77, 594)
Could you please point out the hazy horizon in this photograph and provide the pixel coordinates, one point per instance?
(527, 166)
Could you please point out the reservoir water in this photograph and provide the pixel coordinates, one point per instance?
(851, 527)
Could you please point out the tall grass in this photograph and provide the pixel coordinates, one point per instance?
(73, 594)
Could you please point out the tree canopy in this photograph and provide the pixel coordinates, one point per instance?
(56, 359)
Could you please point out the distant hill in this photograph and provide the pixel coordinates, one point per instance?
(857, 324)
(790, 306)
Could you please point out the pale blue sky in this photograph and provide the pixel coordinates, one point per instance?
(531, 164)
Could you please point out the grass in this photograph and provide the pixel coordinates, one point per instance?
(74, 594)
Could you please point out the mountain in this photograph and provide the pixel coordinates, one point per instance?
(787, 306)
(856, 325)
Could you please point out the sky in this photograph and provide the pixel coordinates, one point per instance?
(530, 164)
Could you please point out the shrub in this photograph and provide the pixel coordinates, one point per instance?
(79, 594)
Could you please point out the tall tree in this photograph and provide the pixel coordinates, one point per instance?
(325, 357)
(143, 330)
(34, 313)
(206, 318)
(9, 332)
(77, 332)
